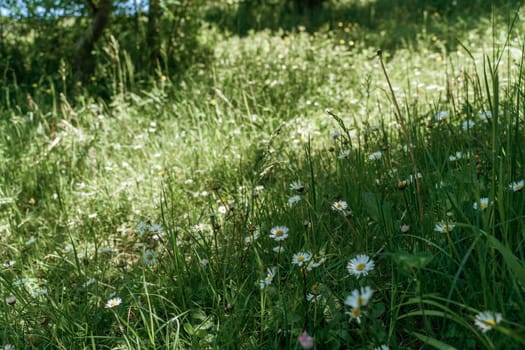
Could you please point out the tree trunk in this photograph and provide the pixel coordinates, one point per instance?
(84, 60)
(153, 37)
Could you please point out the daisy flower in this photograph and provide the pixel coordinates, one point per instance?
(456, 156)
(467, 125)
(355, 313)
(149, 257)
(270, 274)
(251, 238)
(223, 209)
(485, 115)
(301, 259)
(313, 298)
(382, 347)
(516, 186)
(339, 205)
(441, 115)
(444, 227)
(312, 264)
(156, 229)
(278, 249)
(8, 347)
(141, 228)
(375, 155)
(486, 320)
(359, 297)
(294, 199)
(361, 265)
(344, 154)
(113, 302)
(297, 186)
(334, 135)
(279, 233)
(483, 203)
(201, 227)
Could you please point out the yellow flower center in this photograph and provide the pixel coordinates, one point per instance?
(360, 267)
(356, 312)
(361, 301)
(483, 205)
(279, 233)
(490, 323)
(300, 258)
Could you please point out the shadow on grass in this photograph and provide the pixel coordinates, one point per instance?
(388, 24)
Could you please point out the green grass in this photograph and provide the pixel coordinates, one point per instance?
(210, 158)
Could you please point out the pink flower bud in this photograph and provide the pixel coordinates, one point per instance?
(306, 341)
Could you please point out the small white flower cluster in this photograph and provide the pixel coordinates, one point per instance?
(155, 230)
(359, 266)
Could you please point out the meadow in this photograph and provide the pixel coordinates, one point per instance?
(303, 190)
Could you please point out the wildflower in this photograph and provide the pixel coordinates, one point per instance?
(312, 264)
(204, 262)
(339, 205)
(359, 298)
(355, 313)
(156, 230)
(257, 190)
(382, 347)
(301, 259)
(278, 249)
(486, 320)
(344, 154)
(402, 184)
(444, 227)
(294, 200)
(306, 341)
(149, 257)
(406, 147)
(441, 115)
(297, 186)
(467, 125)
(89, 282)
(10, 300)
(279, 233)
(111, 303)
(412, 178)
(270, 274)
(223, 209)
(356, 300)
(485, 115)
(251, 238)
(483, 203)
(9, 263)
(375, 155)
(516, 186)
(311, 297)
(199, 228)
(31, 241)
(12, 347)
(334, 135)
(456, 156)
(360, 265)
(405, 228)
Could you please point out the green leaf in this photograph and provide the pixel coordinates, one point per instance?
(410, 261)
(371, 203)
(433, 342)
(510, 259)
